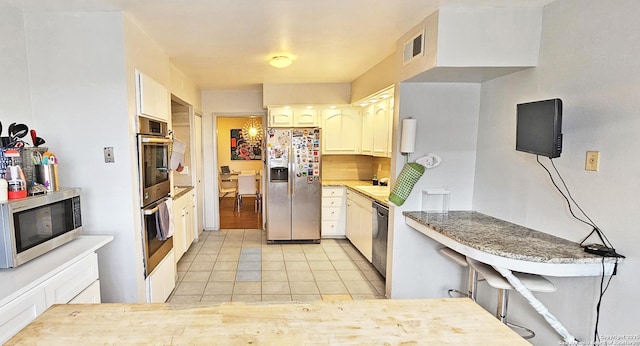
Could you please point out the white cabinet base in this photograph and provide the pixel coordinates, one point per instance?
(162, 281)
(66, 274)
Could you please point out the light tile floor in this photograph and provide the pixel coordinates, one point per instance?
(238, 265)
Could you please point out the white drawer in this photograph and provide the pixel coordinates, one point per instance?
(63, 287)
(332, 229)
(20, 312)
(91, 295)
(331, 213)
(331, 202)
(332, 191)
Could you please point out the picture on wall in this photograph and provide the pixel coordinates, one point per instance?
(243, 150)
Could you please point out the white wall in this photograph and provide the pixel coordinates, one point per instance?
(447, 115)
(78, 89)
(589, 59)
(306, 93)
(225, 103)
(15, 101)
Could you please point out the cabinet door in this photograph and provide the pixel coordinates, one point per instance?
(381, 128)
(341, 131)
(162, 281)
(18, 313)
(188, 226)
(367, 130)
(178, 228)
(152, 98)
(90, 295)
(64, 286)
(305, 117)
(390, 124)
(280, 117)
(366, 232)
(350, 230)
(189, 234)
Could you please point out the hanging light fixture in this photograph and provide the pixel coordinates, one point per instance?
(252, 132)
(280, 61)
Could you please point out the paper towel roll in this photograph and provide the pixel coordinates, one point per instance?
(408, 140)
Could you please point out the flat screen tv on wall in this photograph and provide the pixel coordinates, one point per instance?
(539, 127)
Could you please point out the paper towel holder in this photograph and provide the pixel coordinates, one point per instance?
(408, 136)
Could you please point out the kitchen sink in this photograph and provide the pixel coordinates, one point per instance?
(375, 190)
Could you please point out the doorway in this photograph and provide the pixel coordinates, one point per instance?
(240, 150)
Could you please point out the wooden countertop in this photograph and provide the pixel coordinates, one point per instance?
(367, 322)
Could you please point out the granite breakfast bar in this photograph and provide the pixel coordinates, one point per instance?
(500, 243)
(508, 247)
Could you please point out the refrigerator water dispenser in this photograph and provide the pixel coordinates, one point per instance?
(279, 174)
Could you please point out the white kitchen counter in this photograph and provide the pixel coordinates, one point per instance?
(16, 281)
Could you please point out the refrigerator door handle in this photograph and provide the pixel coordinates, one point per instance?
(292, 176)
(290, 168)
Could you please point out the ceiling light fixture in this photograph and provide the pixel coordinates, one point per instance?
(280, 61)
(252, 132)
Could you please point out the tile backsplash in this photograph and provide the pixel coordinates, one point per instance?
(354, 167)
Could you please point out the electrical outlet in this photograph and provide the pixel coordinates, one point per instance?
(592, 162)
(108, 155)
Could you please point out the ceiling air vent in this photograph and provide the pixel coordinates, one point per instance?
(413, 48)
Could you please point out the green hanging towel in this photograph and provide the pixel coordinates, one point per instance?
(410, 174)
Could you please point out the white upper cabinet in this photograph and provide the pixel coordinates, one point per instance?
(281, 117)
(377, 127)
(380, 128)
(367, 130)
(341, 130)
(390, 128)
(305, 117)
(152, 98)
(293, 117)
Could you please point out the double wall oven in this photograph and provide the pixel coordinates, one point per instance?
(155, 186)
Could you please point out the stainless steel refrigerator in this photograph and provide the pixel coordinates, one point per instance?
(294, 186)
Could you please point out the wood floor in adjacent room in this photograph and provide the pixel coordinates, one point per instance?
(247, 218)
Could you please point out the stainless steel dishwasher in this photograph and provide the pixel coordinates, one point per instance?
(380, 230)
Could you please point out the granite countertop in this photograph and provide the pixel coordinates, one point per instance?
(504, 239)
(353, 186)
(179, 191)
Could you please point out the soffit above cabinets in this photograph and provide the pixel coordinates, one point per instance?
(471, 44)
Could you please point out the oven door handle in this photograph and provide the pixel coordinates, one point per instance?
(155, 208)
(155, 140)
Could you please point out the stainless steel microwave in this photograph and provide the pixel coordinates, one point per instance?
(35, 225)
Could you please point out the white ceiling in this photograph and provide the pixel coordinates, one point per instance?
(226, 44)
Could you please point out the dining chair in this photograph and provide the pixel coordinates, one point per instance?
(225, 188)
(247, 186)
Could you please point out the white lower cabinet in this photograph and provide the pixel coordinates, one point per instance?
(162, 280)
(333, 212)
(360, 223)
(183, 221)
(90, 295)
(63, 287)
(20, 312)
(68, 274)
